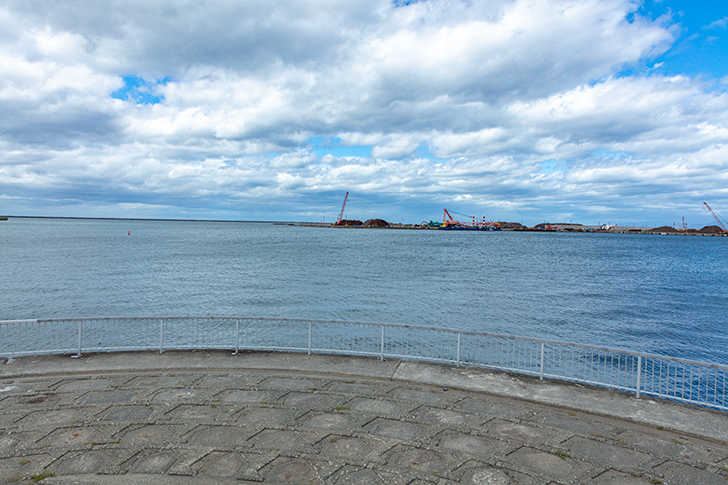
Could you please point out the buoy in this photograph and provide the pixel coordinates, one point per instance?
(128, 233)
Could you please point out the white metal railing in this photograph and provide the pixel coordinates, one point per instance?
(672, 378)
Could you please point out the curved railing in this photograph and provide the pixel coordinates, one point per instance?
(678, 379)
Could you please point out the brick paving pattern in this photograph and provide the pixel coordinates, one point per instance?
(245, 426)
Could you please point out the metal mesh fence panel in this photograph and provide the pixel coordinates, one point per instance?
(678, 379)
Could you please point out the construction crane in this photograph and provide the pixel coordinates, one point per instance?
(447, 219)
(341, 214)
(715, 216)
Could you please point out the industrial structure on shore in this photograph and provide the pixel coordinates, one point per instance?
(473, 223)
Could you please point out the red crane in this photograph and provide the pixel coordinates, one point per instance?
(715, 217)
(341, 214)
(447, 219)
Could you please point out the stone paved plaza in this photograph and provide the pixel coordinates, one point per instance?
(196, 417)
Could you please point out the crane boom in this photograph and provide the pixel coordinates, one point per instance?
(461, 214)
(715, 217)
(447, 219)
(341, 214)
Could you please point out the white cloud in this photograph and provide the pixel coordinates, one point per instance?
(719, 24)
(460, 101)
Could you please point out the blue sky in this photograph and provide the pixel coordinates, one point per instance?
(702, 46)
(596, 111)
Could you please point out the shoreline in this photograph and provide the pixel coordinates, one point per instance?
(427, 228)
(627, 230)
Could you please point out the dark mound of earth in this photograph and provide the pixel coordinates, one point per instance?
(663, 229)
(376, 223)
(349, 222)
(711, 230)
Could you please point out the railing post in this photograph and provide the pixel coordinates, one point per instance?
(78, 332)
(309, 338)
(639, 375)
(458, 361)
(543, 345)
(381, 354)
(237, 336)
(161, 335)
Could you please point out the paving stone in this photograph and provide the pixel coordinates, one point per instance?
(396, 429)
(430, 397)
(75, 385)
(299, 471)
(328, 421)
(157, 382)
(280, 440)
(432, 415)
(220, 437)
(578, 423)
(188, 460)
(421, 460)
(245, 397)
(9, 419)
(358, 477)
(548, 465)
(126, 413)
(651, 443)
(107, 397)
(38, 419)
(668, 445)
(494, 476)
(149, 435)
(308, 401)
(28, 403)
(606, 454)
(177, 395)
(374, 406)
(12, 469)
(74, 463)
(74, 437)
(258, 418)
(522, 433)
(613, 477)
(345, 447)
(8, 444)
(221, 464)
(468, 444)
(155, 463)
(9, 387)
(358, 389)
(292, 384)
(15, 442)
(202, 412)
(254, 465)
(399, 477)
(492, 407)
(228, 381)
(682, 473)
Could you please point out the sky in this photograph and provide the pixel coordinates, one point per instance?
(591, 111)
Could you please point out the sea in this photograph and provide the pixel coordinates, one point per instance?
(650, 293)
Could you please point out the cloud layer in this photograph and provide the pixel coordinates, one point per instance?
(519, 110)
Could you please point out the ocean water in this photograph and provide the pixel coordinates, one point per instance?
(660, 294)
